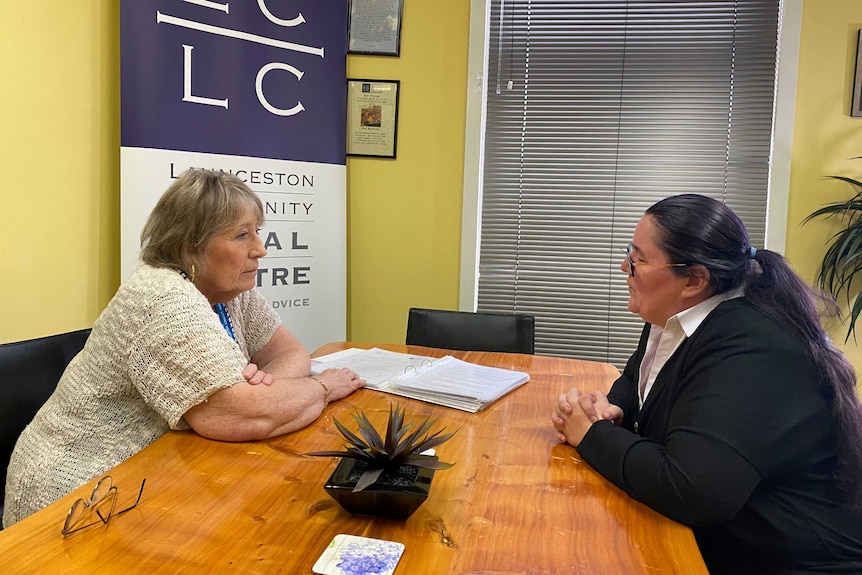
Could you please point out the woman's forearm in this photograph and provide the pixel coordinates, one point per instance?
(283, 356)
(247, 412)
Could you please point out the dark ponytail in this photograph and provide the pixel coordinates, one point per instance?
(698, 230)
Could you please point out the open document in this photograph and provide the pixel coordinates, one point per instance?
(445, 381)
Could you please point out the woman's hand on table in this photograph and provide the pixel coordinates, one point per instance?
(341, 382)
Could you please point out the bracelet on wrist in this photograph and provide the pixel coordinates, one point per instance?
(326, 391)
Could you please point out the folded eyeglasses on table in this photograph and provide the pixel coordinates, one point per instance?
(104, 494)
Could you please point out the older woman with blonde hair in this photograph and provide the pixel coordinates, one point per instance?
(187, 342)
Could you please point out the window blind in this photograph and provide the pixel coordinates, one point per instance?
(595, 111)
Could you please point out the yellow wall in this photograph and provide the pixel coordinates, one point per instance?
(404, 228)
(825, 136)
(60, 150)
(59, 144)
(59, 113)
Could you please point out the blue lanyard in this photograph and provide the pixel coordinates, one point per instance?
(221, 310)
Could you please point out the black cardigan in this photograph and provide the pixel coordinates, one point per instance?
(737, 441)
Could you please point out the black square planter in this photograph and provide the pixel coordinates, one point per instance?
(378, 499)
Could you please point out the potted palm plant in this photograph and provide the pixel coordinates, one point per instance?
(843, 258)
(387, 476)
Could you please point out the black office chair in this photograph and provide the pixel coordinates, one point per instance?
(469, 331)
(29, 372)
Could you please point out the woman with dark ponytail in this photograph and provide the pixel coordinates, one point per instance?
(736, 415)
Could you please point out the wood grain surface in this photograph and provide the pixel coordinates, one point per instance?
(516, 501)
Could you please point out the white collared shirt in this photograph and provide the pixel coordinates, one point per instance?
(663, 342)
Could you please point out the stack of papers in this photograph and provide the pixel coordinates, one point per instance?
(444, 381)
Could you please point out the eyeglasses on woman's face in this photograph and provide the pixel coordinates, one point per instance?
(633, 263)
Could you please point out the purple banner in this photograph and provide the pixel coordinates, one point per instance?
(257, 88)
(261, 78)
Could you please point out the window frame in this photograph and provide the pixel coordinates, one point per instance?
(477, 71)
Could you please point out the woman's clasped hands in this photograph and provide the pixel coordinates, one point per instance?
(575, 412)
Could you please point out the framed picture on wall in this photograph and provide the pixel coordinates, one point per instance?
(856, 100)
(374, 27)
(372, 117)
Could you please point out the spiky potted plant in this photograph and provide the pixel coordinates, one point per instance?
(385, 476)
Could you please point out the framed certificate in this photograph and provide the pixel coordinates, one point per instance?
(374, 27)
(372, 117)
(856, 98)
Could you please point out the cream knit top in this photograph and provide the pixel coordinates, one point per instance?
(156, 351)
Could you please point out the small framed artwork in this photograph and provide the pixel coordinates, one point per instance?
(374, 27)
(856, 99)
(372, 117)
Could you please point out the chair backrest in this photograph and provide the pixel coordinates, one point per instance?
(467, 331)
(29, 372)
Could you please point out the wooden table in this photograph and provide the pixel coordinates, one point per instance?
(516, 502)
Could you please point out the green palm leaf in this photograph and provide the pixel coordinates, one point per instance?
(843, 258)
